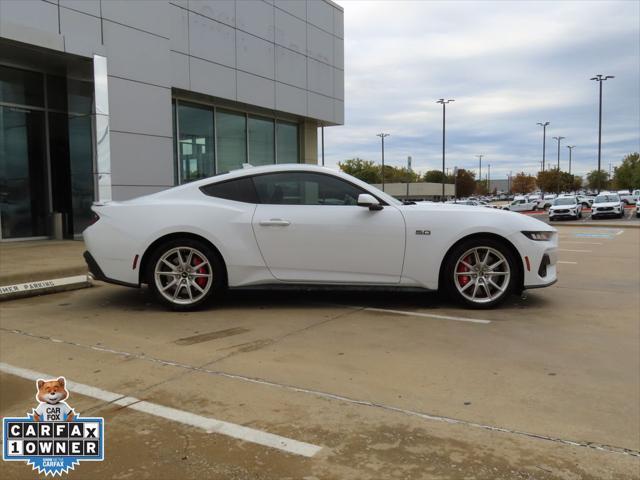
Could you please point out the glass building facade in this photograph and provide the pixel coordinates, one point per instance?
(211, 140)
(46, 153)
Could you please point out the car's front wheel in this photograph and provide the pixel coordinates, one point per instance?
(480, 273)
(185, 274)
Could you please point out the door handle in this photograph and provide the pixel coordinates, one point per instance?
(275, 222)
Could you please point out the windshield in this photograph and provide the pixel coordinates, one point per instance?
(606, 198)
(564, 201)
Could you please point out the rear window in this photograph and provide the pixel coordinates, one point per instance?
(239, 190)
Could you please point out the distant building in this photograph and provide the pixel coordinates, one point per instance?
(417, 190)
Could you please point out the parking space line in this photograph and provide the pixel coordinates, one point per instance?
(583, 243)
(576, 251)
(210, 425)
(427, 315)
(570, 263)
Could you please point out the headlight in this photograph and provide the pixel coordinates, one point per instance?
(539, 236)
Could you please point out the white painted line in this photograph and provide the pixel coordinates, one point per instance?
(210, 425)
(583, 243)
(577, 251)
(569, 263)
(427, 315)
(42, 284)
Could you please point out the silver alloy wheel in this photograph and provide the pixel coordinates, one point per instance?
(482, 274)
(183, 275)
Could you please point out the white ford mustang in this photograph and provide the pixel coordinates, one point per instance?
(304, 225)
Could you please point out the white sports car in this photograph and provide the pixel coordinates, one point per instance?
(304, 225)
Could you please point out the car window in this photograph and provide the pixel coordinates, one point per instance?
(304, 188)
(607, 198)
(564, 201)
(239, 189)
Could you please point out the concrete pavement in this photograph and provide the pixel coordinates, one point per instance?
(387, 395)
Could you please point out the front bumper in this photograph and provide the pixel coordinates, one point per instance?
(562, 213)
(538, 259)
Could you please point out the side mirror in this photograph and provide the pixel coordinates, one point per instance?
(367, 200)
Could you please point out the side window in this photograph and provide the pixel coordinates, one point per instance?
(240, 190)
(302, 188)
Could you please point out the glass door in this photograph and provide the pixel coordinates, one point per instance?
(23, 182)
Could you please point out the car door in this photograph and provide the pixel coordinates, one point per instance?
(310, 229)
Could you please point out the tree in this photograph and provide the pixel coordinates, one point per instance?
(597, 180)
(465, 183)
(523, 183)
(433, 176)
(627, 175)
(481, 187)
(365, 170)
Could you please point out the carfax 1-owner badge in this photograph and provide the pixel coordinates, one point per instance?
(53, 438)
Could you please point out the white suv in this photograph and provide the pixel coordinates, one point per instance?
(565, 207)
(607, 204)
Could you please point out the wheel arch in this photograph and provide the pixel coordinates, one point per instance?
(499, 238)
(174, 236)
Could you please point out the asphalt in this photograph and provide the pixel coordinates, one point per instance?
(550, 388)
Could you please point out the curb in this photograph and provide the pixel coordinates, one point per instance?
(43, 287)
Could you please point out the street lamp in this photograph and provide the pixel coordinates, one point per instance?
(382, 135)
(544, 141)
(489, 179)
(600, 78)
(558, 139)
(444, 108)
(480, 167)
(322, 134)
(570, 147)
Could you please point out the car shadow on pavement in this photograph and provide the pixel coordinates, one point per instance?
(143, 300)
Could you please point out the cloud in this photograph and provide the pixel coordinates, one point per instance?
(508, 65)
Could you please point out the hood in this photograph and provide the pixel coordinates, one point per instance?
(606, 204)
(563, 207)
(482, 215)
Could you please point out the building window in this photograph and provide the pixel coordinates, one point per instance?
(210, 140)
(261, 141)
(231, 138)
(287, 142)
(195, 143)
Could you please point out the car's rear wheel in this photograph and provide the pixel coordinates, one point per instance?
(480, 273)
(185, 274)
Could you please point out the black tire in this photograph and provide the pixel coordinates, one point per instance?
(594, 217)
(216, 283)
(449, 287)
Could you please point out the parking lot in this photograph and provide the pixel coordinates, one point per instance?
(350, 385)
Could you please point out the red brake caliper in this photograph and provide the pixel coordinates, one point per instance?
(464, 279)
(201, 281)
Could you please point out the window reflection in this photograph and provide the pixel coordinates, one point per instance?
(232, 140)
(195, 148)
(261, 141)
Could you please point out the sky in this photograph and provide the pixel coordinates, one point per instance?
(507, 65)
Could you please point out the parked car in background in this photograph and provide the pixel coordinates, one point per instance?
(522, 204)
(565, 207)
(607, 205)
(585, 201)
(626, 197)
(546, 201)
(637, 209)
(636, 196)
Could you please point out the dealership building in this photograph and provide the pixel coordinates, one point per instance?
(113, 99)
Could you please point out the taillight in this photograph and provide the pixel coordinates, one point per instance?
(94, 218)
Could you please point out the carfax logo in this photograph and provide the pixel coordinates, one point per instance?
(53, 438)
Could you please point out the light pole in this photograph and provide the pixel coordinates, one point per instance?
(600, 78)
(570, 147)
(444, 114)
(489, 179)
(382, 135)
(544, 141)
(480, 167)
(558, 139)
